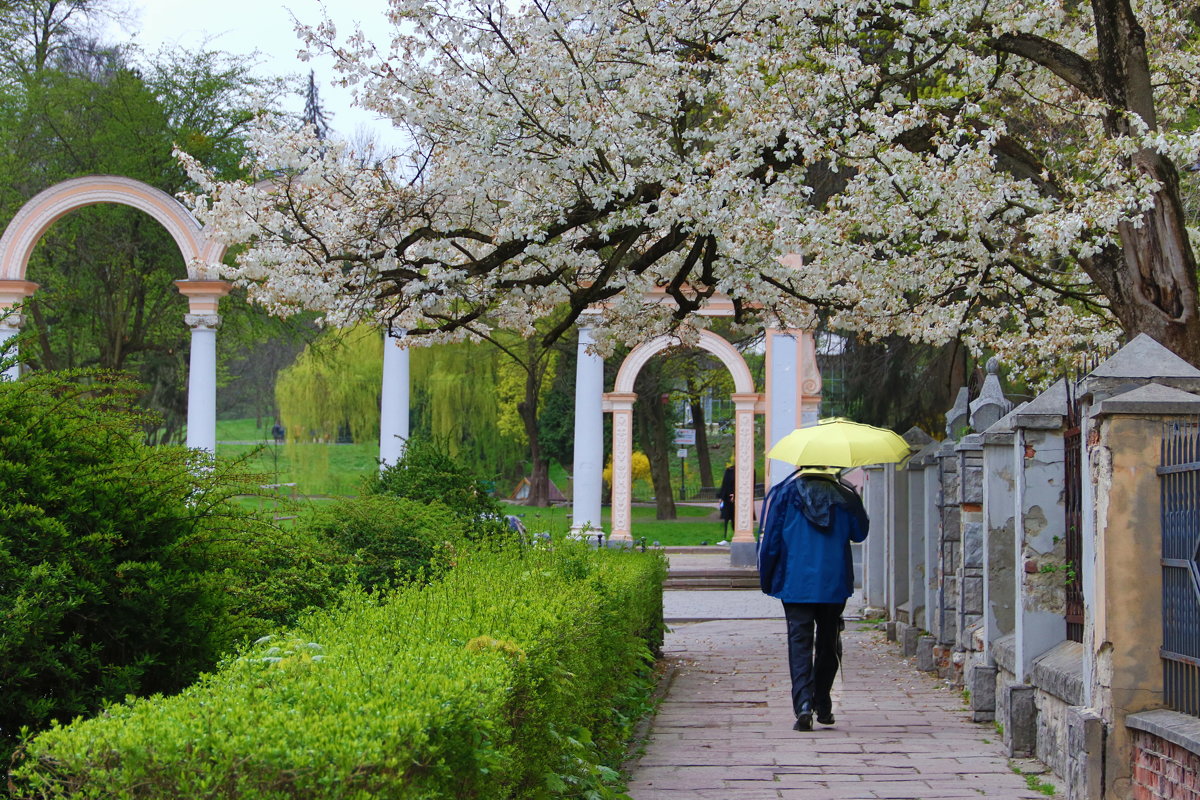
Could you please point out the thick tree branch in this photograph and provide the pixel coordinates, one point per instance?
(1063, 62)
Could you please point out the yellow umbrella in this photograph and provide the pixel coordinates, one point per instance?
(838, 442)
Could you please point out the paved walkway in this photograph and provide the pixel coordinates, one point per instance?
(724, 732)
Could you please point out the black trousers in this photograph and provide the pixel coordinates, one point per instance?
(813, 667)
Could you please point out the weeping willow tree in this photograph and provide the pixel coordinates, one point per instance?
(455, 401)
(330, 393)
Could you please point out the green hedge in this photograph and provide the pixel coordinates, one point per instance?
(107, 584)
(511, 677)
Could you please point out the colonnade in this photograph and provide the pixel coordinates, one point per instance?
(791, 395)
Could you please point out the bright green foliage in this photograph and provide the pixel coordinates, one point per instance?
(514, 677)
(388, 539)
(455, 401)
(330, 391)
(270, 578)
(427, 473)
(104, 552)
(333, 387)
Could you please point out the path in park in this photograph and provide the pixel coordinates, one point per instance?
(723, 731)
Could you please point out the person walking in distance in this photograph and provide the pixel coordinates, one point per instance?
(804, 560)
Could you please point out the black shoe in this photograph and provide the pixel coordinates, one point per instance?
(803, 723)
(826, 718)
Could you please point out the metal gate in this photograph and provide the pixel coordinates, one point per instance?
(1179, 482)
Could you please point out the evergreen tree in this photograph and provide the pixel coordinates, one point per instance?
(314, 113)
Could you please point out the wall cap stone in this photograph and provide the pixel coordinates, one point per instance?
(1141, 361)
(1047, 411)
(998, 438)
(1152, 398)
(1059, 671)
(925, 456)
(972, 441)
(1144, 358)
(1004, 425)
(1004, 652)
(1180, 729)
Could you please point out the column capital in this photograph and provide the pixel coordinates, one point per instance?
(619, 401)
(203, 296)
(749, 400)
(13, 292)
(202, 321)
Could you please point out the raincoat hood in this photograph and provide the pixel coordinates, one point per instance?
(816, 496)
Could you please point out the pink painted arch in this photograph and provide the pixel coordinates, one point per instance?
(200, 253)
(743, 381)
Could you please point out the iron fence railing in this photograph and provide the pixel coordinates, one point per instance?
(1179, 484)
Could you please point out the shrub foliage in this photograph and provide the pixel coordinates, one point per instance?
(427, 473)
(103, 579)
(511, 677)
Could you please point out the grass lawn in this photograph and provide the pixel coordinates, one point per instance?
(695, 525)
(330, 470)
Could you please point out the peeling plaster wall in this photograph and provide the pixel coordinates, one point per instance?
(1041, 521)
(1128, 607)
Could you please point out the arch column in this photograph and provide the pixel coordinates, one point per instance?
(743, 550)
(395, 401)
(588, 478)
(793, 389)
(12, 295)
(203, 297)
(621, 406)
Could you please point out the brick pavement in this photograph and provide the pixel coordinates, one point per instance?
(723, 731)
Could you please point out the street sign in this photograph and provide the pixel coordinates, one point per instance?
(681, 453)
(685, 436)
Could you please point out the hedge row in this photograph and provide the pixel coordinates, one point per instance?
(505, 679)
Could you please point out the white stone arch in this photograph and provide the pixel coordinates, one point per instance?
(743, 381)
(200, 253)
(201, 256)
(747, 401)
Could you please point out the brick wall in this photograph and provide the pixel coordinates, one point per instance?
(1163, 770)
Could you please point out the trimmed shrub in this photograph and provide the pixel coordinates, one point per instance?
(509, 678)
(105, 583)
(386, 540)
(427, 473)
(270, 576)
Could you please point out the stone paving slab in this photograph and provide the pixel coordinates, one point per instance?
(723, 731)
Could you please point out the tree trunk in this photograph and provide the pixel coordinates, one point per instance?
(1151, 279)
(651, 425)
(702, 454)
(539, 474)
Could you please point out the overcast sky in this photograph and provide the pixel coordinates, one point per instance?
(266, 26)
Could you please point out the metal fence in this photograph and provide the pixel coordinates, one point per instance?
(1179, 481)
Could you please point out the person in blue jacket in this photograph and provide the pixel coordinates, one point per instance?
(808, 523)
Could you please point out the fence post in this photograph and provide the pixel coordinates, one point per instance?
(949, 513)
(919, 533)
(999, 569)
(1123, 624)
(874, 548)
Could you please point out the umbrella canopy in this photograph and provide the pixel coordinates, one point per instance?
(838, 442)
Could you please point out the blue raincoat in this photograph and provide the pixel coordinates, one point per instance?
(808, 524)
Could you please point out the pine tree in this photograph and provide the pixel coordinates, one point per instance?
(314, 113)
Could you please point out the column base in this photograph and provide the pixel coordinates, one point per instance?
(743, 554)
(592, 536)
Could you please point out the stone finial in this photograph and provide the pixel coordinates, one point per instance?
(957, 417)
(991, 405)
